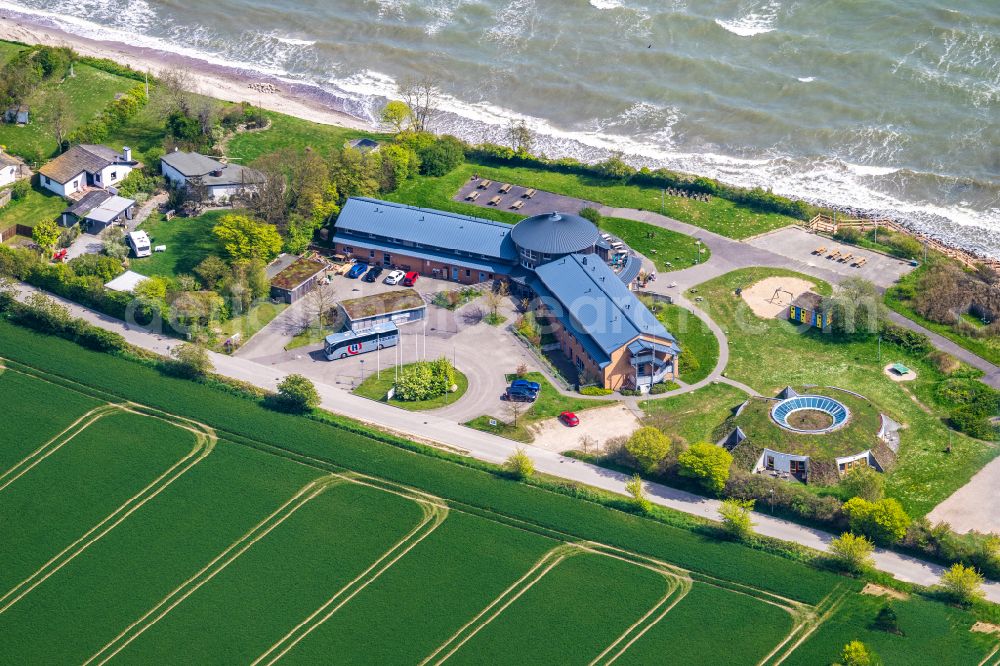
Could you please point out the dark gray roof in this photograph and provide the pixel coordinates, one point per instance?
(196, 165)
(7, 159)
(89, 158)
(808, 300)
(88, 201)
(598, 305)
(432, 229)
(555, 233)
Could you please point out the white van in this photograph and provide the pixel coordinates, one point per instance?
(139, 242)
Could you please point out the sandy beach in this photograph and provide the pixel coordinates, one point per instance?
(212, 80)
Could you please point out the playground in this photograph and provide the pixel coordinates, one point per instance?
(770, 298)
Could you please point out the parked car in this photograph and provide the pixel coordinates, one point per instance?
(531, 386)
(356, 271)
(520, 394)
(372, 274)
(410, 279)
(570, 419)
(394, 277)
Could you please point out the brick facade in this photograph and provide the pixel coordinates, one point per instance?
(454, 271)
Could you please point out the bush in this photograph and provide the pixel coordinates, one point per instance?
(658, 389)
(884, 521)
(852, 553)
(595, 390)
(911, 341)
(847, 235)
(863, 482)
(442, 156)
(20, 189)
(648, 446)
(190, 361)
(962, 584)
(736, 520)
(637, 493)
(945, 363)
(425, 380)
(972, 421)
(887, 621)
(592, 214)
(519, 465)
(297, 394)
(706, 463)
(630, 392)
(856, 653)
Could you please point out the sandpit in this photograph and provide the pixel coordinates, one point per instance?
(896, 377)
(771, 297)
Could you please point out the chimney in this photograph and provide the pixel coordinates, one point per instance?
(585, 261)
(127, 154)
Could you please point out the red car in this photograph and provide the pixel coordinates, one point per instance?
(410, 279)
(570, 419)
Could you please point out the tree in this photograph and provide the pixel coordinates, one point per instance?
(963, 584)
(246, 238)
(60, 117)
(442, 156)
(638, 494)
(707, 463)
(319, 303)
(615, 168)
(45, 233)
(736, 521)
(856, 308)
(421, 96)
(152, 289)
(113, 243)
(397, 163)
(887, 621)
(864, 482)
(297, 394)
(257, 281)
(211, 270)
(519, 464)
(884, 521)
(649, 446)
(513, 409)
(520, 137)
(191, 361)
(495, 298)
(396, 114)
(852, 552)
(857, 653)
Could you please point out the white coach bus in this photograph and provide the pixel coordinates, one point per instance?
(349, 343)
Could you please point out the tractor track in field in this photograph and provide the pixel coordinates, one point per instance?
(807, 624)
(434, 513)
(538, 571)
(205, 440)
(219, 563)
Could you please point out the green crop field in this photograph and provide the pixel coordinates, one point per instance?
(187, 524)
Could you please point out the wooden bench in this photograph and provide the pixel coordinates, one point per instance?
(833, 255)
(517, 205)
(485, 184)
(473, 195)
(820, 250)
(495, 201)
(530, 192)
(860, 262)
(846, 258)
(505, 188)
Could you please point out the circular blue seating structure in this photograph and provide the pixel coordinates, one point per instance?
(821, 403)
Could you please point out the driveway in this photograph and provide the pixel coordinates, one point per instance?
(974, 506)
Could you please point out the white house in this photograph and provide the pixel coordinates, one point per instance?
(86, 165)
(11, 168)
(220, 179)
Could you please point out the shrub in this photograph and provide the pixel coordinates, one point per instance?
(595, 390)
(974, 421)
(863, 482)
(630, 392)
(852, 552)
(190, 361)
(706, 463)
(519, 465)
(425, 380)
(592, 214)
(20, 189)
(648, 446)
(884, 521)
(442, 156)
(945, 363)
(962, 584)
(857, 653)
(736, 520)
(297, 394)
(636, 491)
(847, 234)
(911, 341)
(887, 621)
(658, 389)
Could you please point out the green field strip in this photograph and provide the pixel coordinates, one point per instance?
(416, 605)
(571, 614)
(257, 599)
(131, 570)
(34, 412)
(76, 495)
(933, 634)
(712, 625)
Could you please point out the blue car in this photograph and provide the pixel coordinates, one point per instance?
(357, 270)
(524, 383)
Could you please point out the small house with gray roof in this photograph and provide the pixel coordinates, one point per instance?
(97, 210)
(84, 166)
(11, 168)
(220, 180)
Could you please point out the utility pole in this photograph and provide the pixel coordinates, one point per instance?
(147, 84)
(663, 198)
(378, 357)
(880, 350)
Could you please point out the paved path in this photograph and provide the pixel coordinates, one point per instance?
(435, 429)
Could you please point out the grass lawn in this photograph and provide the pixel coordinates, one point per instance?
(289, 132)
(376, 388)
(769, 355)
(693, 417)
(262, 459)
(699, 346)
(259, 316)
(88, 93)
(38, 206)
(661, 246)
(549, 404)
(188, 241)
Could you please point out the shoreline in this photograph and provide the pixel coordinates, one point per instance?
(300, 100)
(225, 83)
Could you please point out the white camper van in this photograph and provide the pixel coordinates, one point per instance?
(139, 242)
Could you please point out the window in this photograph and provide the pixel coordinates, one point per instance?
(371, 254)
(386, 258)
(76, 184)
(797, 466)
(114, 176)
(348, 250)
(468, 273)
(97, 176)
(770, 463)
(47, 181)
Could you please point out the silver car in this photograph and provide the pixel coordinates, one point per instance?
(394, 277)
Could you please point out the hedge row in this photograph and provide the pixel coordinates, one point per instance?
(112, 118)
(112, 67)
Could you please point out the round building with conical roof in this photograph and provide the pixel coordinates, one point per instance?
(550, 236)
